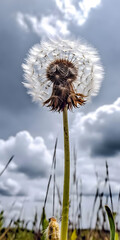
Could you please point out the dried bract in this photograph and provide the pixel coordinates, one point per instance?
(53, 230)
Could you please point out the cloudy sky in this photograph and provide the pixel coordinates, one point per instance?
(27, 130)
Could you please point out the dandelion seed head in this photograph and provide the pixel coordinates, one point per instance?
(62, 73)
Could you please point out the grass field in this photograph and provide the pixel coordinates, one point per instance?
(18, 229)
(24, 234)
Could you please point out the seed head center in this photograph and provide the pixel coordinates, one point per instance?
(61, 72)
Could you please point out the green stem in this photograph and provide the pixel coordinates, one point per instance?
(65, 210)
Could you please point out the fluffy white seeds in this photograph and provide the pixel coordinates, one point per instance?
(84, 58)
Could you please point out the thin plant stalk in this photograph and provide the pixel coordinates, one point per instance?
(65, 209)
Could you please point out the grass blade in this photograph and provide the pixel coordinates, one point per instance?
(54, 177)
(7, 165)
(111, 223)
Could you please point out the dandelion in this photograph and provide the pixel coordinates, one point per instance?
(63, 75)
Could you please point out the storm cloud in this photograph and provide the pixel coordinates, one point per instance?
(22, 24)
(99, 131)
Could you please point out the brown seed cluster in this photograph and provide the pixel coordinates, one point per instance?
(62, 73)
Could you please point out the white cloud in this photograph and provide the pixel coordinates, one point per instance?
(31, 154)
(9, 187)
(99, 131)
(52, 25)
(28, 173)
(86, 6)
(20, 182)
(46, 25)
(77, 12)
(21, 21)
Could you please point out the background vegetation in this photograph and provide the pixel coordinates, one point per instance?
(19, 229)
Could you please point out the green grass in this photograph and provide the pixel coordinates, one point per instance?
(24, 234)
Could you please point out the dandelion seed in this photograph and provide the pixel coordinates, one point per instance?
(62, 74)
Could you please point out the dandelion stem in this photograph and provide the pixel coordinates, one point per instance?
(65, 209)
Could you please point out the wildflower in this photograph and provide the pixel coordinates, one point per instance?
(62, 73)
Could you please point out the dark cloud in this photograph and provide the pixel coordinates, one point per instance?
(13, 50)
(21, 193)
(99, 131)
(108, 146)
(17, 112)
(7, 193)
(99, 29)
(4, 192)
(11, 187)
(33, 172)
